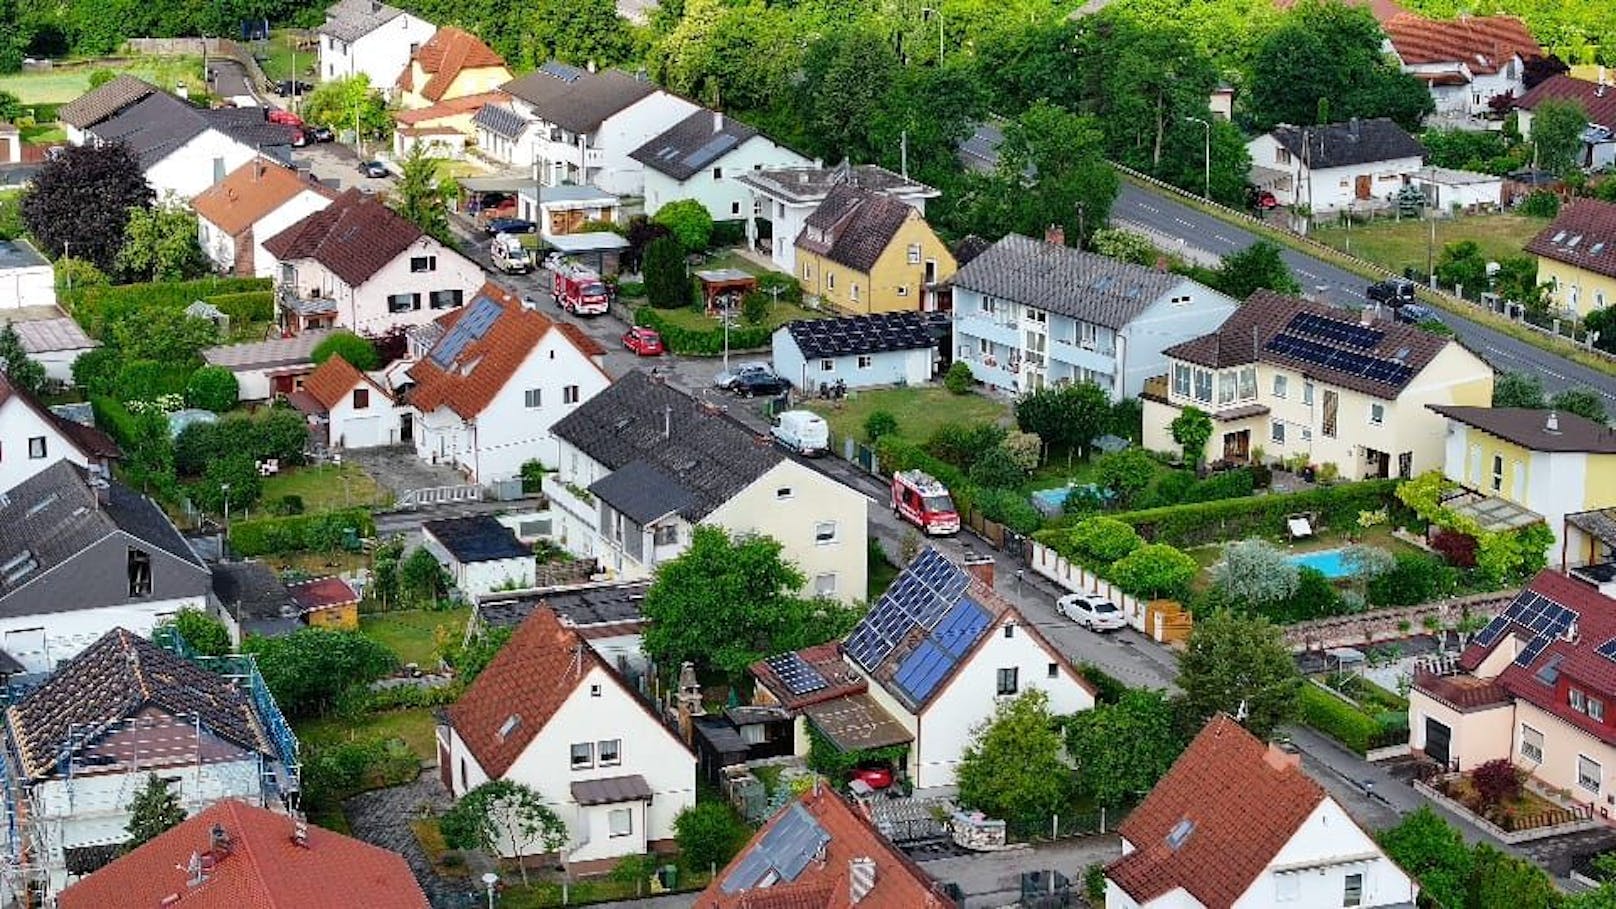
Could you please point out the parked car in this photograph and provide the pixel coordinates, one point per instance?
(727, 380)
(1091, 611)
(320, 133)
(300, 138)
(284, 87)
(1415, 313)
(752, 384)
(1392, 292)
(876, 776)
(283, 117)
(510, 226)
(373, 169)
(803, 432)
(643, 341)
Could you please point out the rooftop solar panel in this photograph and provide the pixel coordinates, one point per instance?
(784, 849)
(710, 151)
(923, 670)
(796, 674)
(1489, 634)
(961, 627)
(470, 327)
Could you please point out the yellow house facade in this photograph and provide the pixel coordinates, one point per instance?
(453, 64)
(864, 253)
(1576, 256)
(1276, 388)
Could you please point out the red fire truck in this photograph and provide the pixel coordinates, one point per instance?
(918, 498)
(579, 290)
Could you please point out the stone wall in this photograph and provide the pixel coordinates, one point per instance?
(1393, 623)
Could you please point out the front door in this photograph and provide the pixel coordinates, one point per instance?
(406, 427)
(1362, 188)
(1237, 445)
(1379, 464)
(1438, 741)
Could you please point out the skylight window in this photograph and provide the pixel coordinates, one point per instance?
(509, 726)
(42, 504)
(19, 566)
(1181, 831)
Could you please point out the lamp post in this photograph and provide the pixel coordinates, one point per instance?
(927, 10)
(489, 880)
(1206, 184)
(225, 488)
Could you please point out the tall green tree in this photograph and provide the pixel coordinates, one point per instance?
(1430, 849)
(350, 103)
(1580, 401)
(21, 370)
(1012, 769)
(504, 817)
(307, 669)
(579, 32)
(160, 243)
(1236, 663)
(79, 202)
(155, 808)
(1557, 128)
(1052, 171)
(423, 200)
(689, 222)
(1259, 266)
(1122, 749)
(202, 632)
(667, 286)
(1517, 389)
(1068, 417)
(846, 74)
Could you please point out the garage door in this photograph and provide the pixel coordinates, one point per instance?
(1438, 741)
(362, 432)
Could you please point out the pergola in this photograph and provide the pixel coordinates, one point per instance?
(721, 288)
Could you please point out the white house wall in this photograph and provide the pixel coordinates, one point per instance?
(363, 309)
(42, 641)
(378, 424)
(811, 499)
(288, 213)
(913, 367)
(18, 424)
(1164, 324)
(380, 54)
(198, 164)
(724, 198)
(32, 285)
(1326, 848)
(628, 129)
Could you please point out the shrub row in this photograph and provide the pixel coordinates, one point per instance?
(246, 306)
(267, 536)
(896, 454)
(1329, 714)
(93, 306)
(706, 342)
(114, 418)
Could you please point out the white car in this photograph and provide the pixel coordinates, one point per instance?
(1091, 611)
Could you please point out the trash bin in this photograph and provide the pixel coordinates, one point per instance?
(669, 876)
(350, 539)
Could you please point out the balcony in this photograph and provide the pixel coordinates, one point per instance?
(1155, 389)
(305, 303)
(573, 499)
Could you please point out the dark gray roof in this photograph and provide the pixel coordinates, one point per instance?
(19, 254)
(1346, 144)
(579, 105)
(693, 144)
(248, 126)
(612, 790)
(1064, 280)
(638, 419)
(806, 184)
(818, 338)
(854, 226)
(980, 150)
(253, 594)
(642, 492)
(54, 515)
(500, 120)
(351, 20)
(590, 604)
(478, 538)
(98, 104)
(158, 124)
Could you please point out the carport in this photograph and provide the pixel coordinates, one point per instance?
(598, 249)
(476, 193)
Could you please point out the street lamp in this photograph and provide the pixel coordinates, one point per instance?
(927, 10)
(489, 880)
(1206, 185)
(225, 488)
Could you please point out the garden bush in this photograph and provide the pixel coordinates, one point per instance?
(325, 531)
(277, 433)
(114, 419)
(96, 307)
(212, 388)
(1099, 541)
(1228, 484)
(996, 469)
(1415, 578)
(961, 444)
(1459, 549)
(246, 306)
(1154, 570)
(1497, 781)
(959, 378)
(1010, 508)
(707, 342)
(1327, 712)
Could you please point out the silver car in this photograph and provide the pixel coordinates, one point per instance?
(1091, 611)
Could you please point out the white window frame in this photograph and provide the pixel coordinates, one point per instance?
(1279, 386)
(1583, 778)
(617, 752)
(1377, 414)
(533, 398)
(584, 759)
(1531, 744)
(1596, 709)
(827, 365)
(1181, 380)
(914, 254)
(825, 584)
(1577, 699)
(826, 533)
(1287, 887)
(1276, 432)
(866, 361)
(1352, 888)
(620, 822)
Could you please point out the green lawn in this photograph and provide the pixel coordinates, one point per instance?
(694, 319)
(412, 725)
(919, 409)
(325, 487)
(1400, 244)
(282, 51)
(411, 633)
(732, 259)
(68, 81)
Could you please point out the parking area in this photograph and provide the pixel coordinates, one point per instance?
(337, 166)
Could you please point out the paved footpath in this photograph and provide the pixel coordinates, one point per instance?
(993, 879)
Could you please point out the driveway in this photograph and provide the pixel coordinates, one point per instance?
(382, 818)
(397, 468)
(992, 879)
(337, 166)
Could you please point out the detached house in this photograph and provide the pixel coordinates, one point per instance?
(369, 38)
(447, 80)
(894, 348)
(357, 264)
(1294, 377)
(550, 713)
(81, 744)
(1597, 98)
(1361, 163)
(1236, 824)
(349, 409)
(81, 555)
(255, 202)
(641, 465)
(699, 158)
(1030, 313)
(491, 388)
(865, 252)
(1576, 256)
(783, 198)
(1467, 62)
(34, 438)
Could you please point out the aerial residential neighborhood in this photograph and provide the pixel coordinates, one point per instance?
(1123, 455)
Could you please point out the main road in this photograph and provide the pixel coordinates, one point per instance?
(1195, 229)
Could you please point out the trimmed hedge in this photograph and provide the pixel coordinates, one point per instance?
(246, 306)
(114, 418)
(94, 306)
(266, 536)
(705, 343)
(1325, 711)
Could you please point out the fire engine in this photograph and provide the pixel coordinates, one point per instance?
(579, 290)
(918, 498)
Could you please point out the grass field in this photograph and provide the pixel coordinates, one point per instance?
(412, 725)
(919, 409)
(282, 53)
(694, 319)
(324, 488)
(68, 81)
(1399, 244)
(411, 634)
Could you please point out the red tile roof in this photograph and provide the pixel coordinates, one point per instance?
(1582, 235)
(827, 660)
(899, 882)
(531, 677)
(449, 51)
(322, 593)
(449, 108)
(1601, 106)
(250, 192)
(1242, 806)
(492, 359)
(355, 237)
(331, 382)
(1484, 44)
(264, 868)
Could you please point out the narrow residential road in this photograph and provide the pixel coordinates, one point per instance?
(1196, 230)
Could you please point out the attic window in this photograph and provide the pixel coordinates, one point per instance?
(1560, 235)
(1180, 832)
(1597, 248)
(509, 726)
(140, 573)
(19, 566)
(1571, 243)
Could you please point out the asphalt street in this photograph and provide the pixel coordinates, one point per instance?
(1197, 230)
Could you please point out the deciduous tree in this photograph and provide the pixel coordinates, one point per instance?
(1257, 267)
(1255, 573)
(1122, 749)
(1012, 769)
(1126, 473)
(580, 32)
(307, 669)
(1068, 417)
(213, 388)
(1557, 128)
(503, 816)
(1154, 570)
(689, 222)
(1236, 663)
(347, 104)
(79, 202)
(1580, 401)
(1430, 849)
(204, 633)
(21, 370)
(709, 834)
(160, 243)
(1052, 171)
(359, 352)
(1517, 389)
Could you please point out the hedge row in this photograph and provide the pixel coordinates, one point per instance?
(1200, 523)
(266, 536)
(706, 342)
(114, 418)
(895, 454)
(94, 306)
(1329, 714)
(246, 306)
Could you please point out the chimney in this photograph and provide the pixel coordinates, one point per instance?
(718, 121)
(1552, 424)
(980, 567)
(300, 831)
(1055, 235)
(218, 840)
(1282, 757)
(860, 878)
(1161, 263)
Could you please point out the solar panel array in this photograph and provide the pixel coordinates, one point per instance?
(1608, 650)
(785, 849)
(714, 147)
(1351, 362)
(860, 335)
(471, 326)
(1541, 619)
(796, 674)
(920, 596)
(931, 662)
(1336, 331)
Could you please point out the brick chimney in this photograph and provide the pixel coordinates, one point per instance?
(1055, 235)
(980, 567)
(1283, 757)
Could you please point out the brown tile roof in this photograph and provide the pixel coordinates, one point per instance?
(331, 382)
(1582, 235)
(1241, 807)
(450, 108)
(822, 884)
(98, 104)
(1244, 336)
(355, 237)
(826, 659)
(1484, 44)
(322, 593)
(853, 226)
(263, 868)
(492, 358)
(531, 677)
(449, 51)
(250, 192)
(1528, 428)
(1461, 692)
(1601, 106)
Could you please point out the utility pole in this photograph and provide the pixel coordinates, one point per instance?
(1206, 160)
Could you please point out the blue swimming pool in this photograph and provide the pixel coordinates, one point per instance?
(1053, 501)
(1327, 562)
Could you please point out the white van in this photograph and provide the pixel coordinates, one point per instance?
(803, 432)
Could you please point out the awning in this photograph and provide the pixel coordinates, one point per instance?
(1599, 523)
(1241, 412)
(612, 790)
(593, 241)
(1492, 513)
(856, 722)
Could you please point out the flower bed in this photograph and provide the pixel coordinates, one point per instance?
(1524, 810)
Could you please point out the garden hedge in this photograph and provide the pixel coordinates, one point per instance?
(266, 536)
(94, 306)
(1328, 713)
(246, 306)
(704, 343)
(897, 454)
(114, 418)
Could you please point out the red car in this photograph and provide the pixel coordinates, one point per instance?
(643, 341)
(283, 117)
(876, 777)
